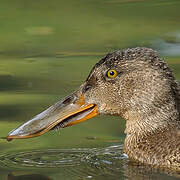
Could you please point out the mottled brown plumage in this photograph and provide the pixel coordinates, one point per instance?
(146, 94)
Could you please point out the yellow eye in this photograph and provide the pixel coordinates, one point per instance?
(112, 73)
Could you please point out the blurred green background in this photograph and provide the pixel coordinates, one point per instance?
(47, 49)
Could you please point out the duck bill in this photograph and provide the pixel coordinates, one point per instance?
(67, 112)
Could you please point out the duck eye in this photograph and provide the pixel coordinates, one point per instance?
(112, 73)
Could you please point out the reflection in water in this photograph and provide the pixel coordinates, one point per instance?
(11, 176)
(80, 163)
(166, 48)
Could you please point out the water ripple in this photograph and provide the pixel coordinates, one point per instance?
(63, 157)
(96, 163)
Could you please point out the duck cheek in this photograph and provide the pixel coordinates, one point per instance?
(89, 96)
(102, 108)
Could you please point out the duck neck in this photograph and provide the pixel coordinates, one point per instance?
(146, 130)
(151, 116)
(160, 120)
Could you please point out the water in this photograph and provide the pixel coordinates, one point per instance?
(47, 50)
(94, 163)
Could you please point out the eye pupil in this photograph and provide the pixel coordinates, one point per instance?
(112, 73)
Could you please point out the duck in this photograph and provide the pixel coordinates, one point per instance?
(134, 84)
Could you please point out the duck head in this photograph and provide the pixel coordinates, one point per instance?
(130, 83)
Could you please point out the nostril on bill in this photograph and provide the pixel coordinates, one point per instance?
(68, 100)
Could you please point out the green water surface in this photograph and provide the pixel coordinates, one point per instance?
(47, 49)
